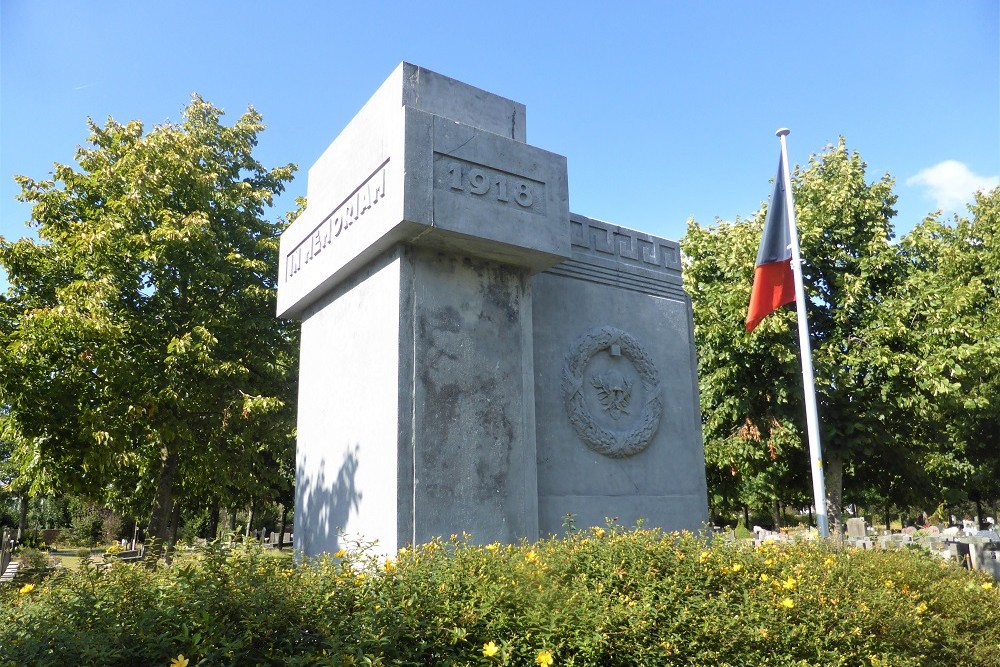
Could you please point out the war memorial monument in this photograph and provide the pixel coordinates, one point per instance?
(475, 358)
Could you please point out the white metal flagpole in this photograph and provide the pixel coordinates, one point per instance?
(805, 351)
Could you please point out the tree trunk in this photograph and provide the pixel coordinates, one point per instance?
(810, 508)
(888, 518)
(776, 510)
(246, 532)
(834, 465)
(746, 517)
(175, 519)
(212, 530)
(22, 517)
(281, 529)
(158, 530)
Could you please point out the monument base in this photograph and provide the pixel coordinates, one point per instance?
(416, 416)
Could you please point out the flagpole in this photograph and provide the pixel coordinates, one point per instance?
(805, 351)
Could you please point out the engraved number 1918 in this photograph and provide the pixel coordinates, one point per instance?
(480, 183)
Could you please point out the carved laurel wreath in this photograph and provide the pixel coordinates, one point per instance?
(613, 443)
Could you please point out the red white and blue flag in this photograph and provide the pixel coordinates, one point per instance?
(773, 281)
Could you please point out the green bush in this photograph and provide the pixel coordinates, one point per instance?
(33, 559)
(32, 539)
(86, 523)
(598, 597)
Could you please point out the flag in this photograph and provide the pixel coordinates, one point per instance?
(773, 282)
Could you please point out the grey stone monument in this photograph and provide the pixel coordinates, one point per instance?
(475, 358)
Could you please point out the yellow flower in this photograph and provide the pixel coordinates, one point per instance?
(988, 585)
(788, 584)
(27, 588)
(490, 650)
(703, 556)
(763, 576)
(763, 632)
(544, 658)
(828, 562)
(340, 554)
(737, 567)
(179, 661)
(531, 556)
(922, 607)
(390, 567)
(888, 583)
(598, 531)
(787, 603)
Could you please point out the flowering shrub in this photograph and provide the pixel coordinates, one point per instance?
(599, 597)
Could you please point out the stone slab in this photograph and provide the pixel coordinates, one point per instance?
(403, 172)
(472, 415)
(350, 463)
(619, 281)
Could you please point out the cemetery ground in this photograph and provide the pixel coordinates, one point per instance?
(599, 596)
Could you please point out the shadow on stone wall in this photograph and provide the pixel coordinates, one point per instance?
(322, 507)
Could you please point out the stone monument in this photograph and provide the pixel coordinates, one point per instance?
(474, 357)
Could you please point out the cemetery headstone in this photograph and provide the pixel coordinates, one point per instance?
(856, 528)
(474, 357)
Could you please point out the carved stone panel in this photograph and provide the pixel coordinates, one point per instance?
(612, 391)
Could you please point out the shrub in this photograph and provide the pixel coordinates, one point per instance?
(601, 596)
(33, 559)
(112, 526)
(32, 539)
(86, 522)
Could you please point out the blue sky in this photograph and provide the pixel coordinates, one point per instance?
(664, 110)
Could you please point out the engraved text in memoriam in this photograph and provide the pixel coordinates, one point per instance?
(359, 202)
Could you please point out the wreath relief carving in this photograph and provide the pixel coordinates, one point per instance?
(632, 415)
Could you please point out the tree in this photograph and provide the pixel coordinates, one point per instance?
(143, 363)
(950, 307)
(750, 383)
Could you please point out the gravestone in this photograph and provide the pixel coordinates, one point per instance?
(474, 357)
(856, 528)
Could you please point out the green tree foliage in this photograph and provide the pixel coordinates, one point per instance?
(142, 361)
(948, 309)
(751, 386)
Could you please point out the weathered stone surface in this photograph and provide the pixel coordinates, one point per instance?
(473, 429)
(856, 528)
(427, 161)
(446, 385)
(651, 465)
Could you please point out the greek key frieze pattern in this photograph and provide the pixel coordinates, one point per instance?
(599, 239)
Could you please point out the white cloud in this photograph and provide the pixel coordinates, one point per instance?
(951, 184)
